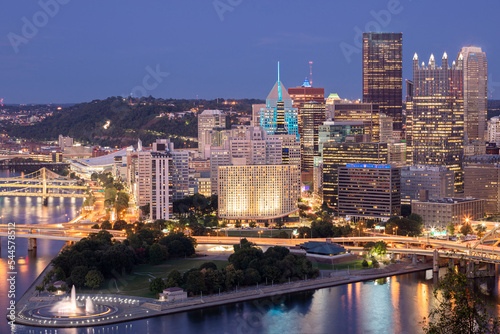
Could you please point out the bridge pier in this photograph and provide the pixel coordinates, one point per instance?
(451, 263)
(470, 269)
(435, 261)
(31, 244)
(462, 267)
(491, 269)
(414, 259)
(45, 201)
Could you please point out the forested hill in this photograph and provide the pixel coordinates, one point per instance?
(129, 119)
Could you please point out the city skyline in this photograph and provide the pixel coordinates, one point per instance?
(64, 60)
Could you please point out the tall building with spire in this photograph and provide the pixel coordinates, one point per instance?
(279, 117)
(437, 115)
(475, 69)
(383, 73)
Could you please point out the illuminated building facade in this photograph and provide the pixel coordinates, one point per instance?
(475, 69)
(338, 132)
(161, 186)
(304, 94)
(383, 73)
(336, 155)
(209, 120)
(312, 115)
(441, 212)
(368, 190)
(258, 192)
(483, 181)
(368, 113)
(438, 116)
(279, 117)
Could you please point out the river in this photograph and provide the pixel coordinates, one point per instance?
(396, 304)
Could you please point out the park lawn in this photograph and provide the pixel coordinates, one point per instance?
(352, 265)
(254, 233)
(137, 282)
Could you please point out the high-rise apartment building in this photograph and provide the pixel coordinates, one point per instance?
(475, 70)
(161, 186)
(180, 174)
(312, 115)
(336, 155)
(437, 115)
(383, 73)
(369, 191)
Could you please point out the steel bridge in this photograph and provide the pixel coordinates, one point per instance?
(42, 183)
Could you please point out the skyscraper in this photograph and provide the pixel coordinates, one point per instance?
(336, 155)
(438, 115)
(312, 115)
(278, 117)
(209, 120)
(383, 73)
(475, 69)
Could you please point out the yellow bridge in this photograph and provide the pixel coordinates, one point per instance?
(42, 183)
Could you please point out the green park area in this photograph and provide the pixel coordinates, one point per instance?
(137, 282)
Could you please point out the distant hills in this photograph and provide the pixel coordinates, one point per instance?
(129, 119)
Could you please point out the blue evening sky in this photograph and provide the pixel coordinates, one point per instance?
(91, 49)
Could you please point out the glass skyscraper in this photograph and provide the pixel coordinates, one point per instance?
(437, 115)
(383, 73)
(475, 68)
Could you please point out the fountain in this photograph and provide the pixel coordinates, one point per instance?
(71, 308)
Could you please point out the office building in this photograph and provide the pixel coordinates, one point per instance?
(209, 120)
(438, 213)
(383, 73)
(353, 111)
(217, 158)
(483, 181)
(386, 129)
(312, 115)
(65, 142)
(338, 132)
(369, 191)
(437, 181)
(475, 71)
(305, 94)
(336, 155)
(180, 174)
(279, 117)
(437, 115)
(258, 192)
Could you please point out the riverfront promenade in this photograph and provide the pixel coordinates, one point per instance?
(134, 308)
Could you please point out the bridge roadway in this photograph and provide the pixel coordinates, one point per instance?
(399, 245)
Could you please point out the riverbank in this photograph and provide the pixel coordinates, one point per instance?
(134, 308)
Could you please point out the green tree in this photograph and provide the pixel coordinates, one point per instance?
(195, 282)
(480, 230)
(376, 248)
(106, 225)
(466, 229)
(94, 279)
(145, 209)
(450, 228)
(121, 203)
(157, 254)
(174, 278)
(78, 275)
(157, 285)
(461, 307)
(252, 224)
(119, 225)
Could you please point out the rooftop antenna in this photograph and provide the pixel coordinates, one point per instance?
(279, 82)
(311, 72)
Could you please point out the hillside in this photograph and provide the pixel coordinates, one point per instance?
(129, 119)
